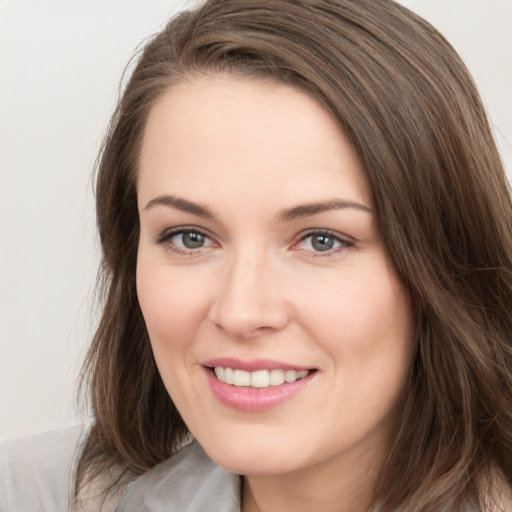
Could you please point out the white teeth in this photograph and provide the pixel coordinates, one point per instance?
(220, 373)
(228, 376)
(241, 378)
(276, 377)
(259, 378)
(290, 375)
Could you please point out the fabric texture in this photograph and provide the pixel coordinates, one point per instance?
(38, 474)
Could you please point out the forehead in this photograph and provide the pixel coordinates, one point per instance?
(221, 132)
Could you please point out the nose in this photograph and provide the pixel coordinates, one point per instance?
(249, 300)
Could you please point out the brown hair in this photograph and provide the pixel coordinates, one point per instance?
(410, 108)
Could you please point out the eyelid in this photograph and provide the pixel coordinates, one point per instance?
(345, 241)
(169, 233)
(164, 239)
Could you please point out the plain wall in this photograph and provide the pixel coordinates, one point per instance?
(60, 65)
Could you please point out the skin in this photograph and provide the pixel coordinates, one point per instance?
(259, 289)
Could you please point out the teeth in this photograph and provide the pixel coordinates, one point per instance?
(220, 373)
(290, 376)
(276, 377)
(241, 378)
(228, 375)
(259, 378)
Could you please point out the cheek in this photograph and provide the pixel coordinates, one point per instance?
(363, 321)
(173, 306)
(368, 335)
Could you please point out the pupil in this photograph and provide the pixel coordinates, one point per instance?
(322, 243)
(193, 240)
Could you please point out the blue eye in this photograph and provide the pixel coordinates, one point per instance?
(184, 239)
(322, 242)
(189, 239)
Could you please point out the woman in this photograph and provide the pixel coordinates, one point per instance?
(307, 240)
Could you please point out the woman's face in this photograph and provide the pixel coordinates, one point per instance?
(260, 260)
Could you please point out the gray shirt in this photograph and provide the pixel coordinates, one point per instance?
(39, 474)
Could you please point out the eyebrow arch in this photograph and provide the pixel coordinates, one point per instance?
(286, 215)
(180, 204)
(309, 209)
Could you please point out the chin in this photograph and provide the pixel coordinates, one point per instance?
(266, 455)
(249, 463)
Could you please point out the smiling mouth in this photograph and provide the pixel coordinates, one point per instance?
(258, 378)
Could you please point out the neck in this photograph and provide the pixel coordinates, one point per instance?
(331, 487)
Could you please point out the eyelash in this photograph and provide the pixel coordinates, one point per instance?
(166, 236)
(344, 242)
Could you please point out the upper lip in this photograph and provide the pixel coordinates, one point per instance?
(252, 364)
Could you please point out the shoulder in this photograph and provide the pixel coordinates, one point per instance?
(188, 481)
(37, 472)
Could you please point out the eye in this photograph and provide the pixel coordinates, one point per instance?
(322, 242)
(185, 239)
(189, 239)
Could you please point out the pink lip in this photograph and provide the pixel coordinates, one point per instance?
(254, 399)
(253, 365)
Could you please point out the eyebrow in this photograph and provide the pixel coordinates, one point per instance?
(286, 215)
(180, 204)
(309, 209)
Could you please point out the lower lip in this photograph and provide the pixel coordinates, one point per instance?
(255, 399)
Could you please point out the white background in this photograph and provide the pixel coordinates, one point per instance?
(60, 65)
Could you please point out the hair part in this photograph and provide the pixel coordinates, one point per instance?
(409, 107)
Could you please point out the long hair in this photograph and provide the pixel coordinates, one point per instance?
(402, 96)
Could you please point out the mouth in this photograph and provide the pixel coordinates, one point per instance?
(256, 385)
(259, 378)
